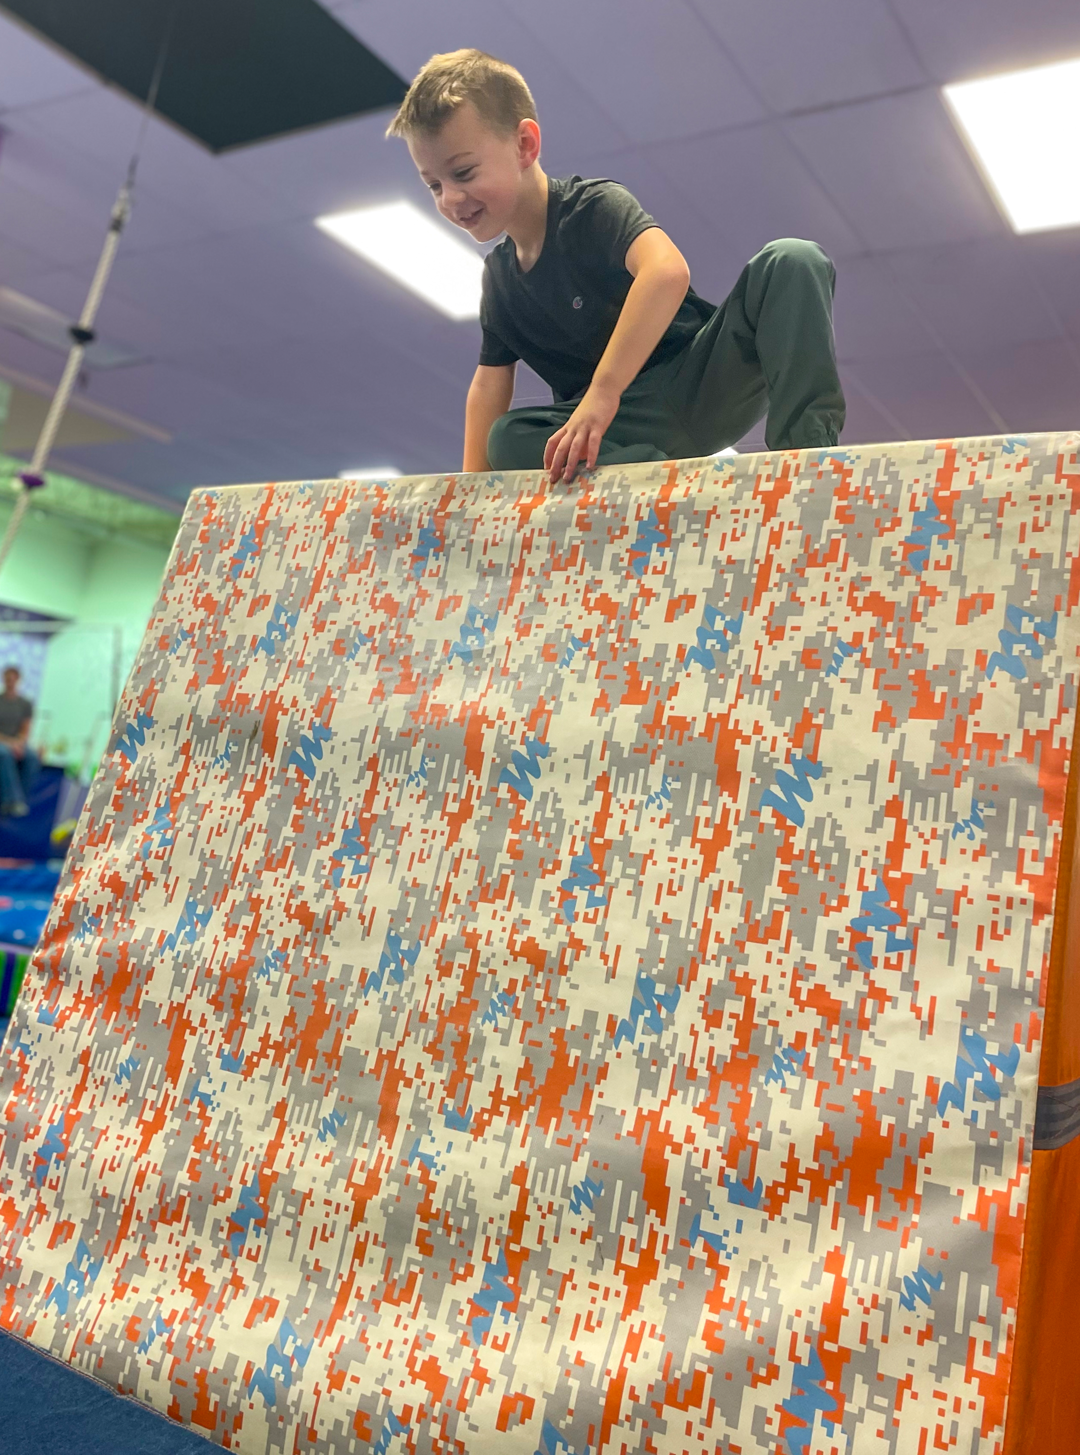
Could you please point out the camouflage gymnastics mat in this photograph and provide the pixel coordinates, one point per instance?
(557, 969)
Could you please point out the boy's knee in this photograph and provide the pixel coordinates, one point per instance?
(795, 251)
(497, 440)
(516, 441)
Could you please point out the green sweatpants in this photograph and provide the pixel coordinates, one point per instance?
(769, 346)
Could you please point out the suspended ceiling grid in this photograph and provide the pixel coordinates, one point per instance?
(270, 352)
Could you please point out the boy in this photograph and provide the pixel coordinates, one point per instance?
(596, 299)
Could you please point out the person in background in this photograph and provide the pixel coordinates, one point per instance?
(18, 764)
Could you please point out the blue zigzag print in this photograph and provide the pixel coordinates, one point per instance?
(278, 628)
(584, 1195)
(525, 766)
(280, 1358)
(877, 914)
(246, 548)
(920, 1286)
(1014, 638)
(248, 1213)
(395, 958)
(78, 1276)
(808, 1398)
(472, 630)
(582, 875)
(792, 786)
(977, 1068)
(493, 1291)
(191, 922)
(649, 535)
(646, 1006)
(710, 635)
(928, 525)
(310, 749)
(392, 1427)
(133, 736)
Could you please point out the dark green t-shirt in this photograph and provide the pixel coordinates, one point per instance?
(559, 315)
(14, 711)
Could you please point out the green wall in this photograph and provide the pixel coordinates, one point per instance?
(72, 559)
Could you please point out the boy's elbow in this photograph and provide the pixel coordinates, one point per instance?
(680, 275)
(672, 274)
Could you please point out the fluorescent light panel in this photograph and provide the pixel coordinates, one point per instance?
(1024, 129)
(381, 472)
(415, 250)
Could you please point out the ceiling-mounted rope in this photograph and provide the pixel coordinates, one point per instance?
(82, 332)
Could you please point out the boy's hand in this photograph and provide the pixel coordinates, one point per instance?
(578, 442)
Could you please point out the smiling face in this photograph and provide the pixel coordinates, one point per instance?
(474, 173)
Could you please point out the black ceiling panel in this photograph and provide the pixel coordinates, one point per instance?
(236, 71)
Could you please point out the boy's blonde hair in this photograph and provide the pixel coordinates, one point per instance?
(444, 83)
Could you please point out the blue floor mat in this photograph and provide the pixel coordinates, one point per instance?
(25, 897)
(48, 1409)
(28, 838)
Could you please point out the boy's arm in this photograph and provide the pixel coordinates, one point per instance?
(490, 395)
(661, 278)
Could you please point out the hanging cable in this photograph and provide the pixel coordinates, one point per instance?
(82, 332)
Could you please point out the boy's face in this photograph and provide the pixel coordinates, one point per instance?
(473, 173)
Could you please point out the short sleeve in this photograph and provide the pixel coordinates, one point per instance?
(494, 352)
(614, 218)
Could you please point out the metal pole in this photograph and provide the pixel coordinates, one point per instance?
(82, 333)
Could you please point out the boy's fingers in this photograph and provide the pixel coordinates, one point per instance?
(555, 464)
(573, 457)
(552, 445)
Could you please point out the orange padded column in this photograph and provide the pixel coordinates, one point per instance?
(1044, 1394)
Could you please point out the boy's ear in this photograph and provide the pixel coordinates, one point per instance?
(528, 142)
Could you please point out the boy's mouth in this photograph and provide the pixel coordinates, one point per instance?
(472, 218)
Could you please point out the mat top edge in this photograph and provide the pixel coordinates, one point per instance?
(1040, 438)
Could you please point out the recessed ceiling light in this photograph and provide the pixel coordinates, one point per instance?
(1024, 129)
(381, 472)
(416, 250)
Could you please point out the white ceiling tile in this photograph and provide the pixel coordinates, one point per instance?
(898, 171)
(980, 294)
(802, 56)
(19, 265)
(928, 394)
(753, 187)
(656, 69)
(407, 35)
(182, 190)
(959, 39)
(346, 164)
(1054, 260)
(189, 304)
(32, 71)
(45, 228)
(874, 318)
(869, 419)
(1034, 386)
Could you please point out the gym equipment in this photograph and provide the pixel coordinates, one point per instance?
(557, 968)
